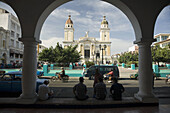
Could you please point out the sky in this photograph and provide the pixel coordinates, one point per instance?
(87, 15)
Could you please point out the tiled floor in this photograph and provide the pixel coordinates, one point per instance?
(164, 107)
(156, 109)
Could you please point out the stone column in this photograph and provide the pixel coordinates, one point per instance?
(108, 50)
(29, 71)
(145, 93)
(83, 50)
(91, 50)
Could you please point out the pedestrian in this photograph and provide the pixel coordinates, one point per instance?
(100, 91)
(116, 90)
(44, 91)
(96, 77)
(80, 90)
(83, 72)
(115, 70)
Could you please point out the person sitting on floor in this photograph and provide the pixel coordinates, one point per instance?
(44, 91)
(116, 90)
(100, 91)
(80, 90)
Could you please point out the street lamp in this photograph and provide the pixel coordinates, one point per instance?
(93, 53)
(102, 48)
(112, 58)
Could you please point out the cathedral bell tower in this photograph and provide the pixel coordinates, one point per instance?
(69, 30)
(104, 30)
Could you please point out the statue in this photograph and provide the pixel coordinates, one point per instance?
(87, 34)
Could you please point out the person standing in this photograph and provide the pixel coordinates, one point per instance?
(116, 90)
(80, 90)
(115, 70)
(83, 71)
(100, 91)
(96, 77)
(44, 91)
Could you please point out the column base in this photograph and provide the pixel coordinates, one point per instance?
(26, 100)
(145, 99)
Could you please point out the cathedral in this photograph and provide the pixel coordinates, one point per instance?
(97, 51)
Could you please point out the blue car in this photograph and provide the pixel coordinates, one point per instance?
(11, 82)
(39, 73)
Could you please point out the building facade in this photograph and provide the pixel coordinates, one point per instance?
(91, 49)
(162, 39)
(12, 48)
(4, 49)
(40, 47)
(133, 49)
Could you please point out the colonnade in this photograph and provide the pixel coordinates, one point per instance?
(141, 13)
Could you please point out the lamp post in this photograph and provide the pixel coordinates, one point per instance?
(102, 48)
(93, 54)
(112, 58)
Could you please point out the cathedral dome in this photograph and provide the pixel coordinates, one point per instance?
(69, 21)
(104, 20)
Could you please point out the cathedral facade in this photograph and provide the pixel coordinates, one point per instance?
(91, 49)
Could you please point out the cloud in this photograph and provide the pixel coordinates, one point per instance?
(63, 13)
(119, 45)
(51, 41)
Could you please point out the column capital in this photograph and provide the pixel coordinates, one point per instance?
(29, 40)
(144, 41)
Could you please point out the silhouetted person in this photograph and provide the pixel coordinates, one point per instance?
(100, 91)
(96, 77)
(80, 90)
(116, 90)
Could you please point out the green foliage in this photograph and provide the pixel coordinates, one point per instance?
(60, 54)
(128, 57)
(88, 63)
(133, 62)
(160, 54)
(46, 55)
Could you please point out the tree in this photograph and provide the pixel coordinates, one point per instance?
(128, 57)
(60, 55)
(160, 54)
(46, 55)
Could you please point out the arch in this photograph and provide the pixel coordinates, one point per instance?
(123, 7)
(159, 12)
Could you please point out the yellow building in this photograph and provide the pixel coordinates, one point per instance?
(90, 48)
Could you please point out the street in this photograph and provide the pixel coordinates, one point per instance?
(64, 89)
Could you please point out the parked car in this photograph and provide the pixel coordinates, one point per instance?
(39, 73)
(135, 76)
(11, 82)
(103, 69)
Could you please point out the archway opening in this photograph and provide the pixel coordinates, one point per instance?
(88, 17)
(160, 49)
